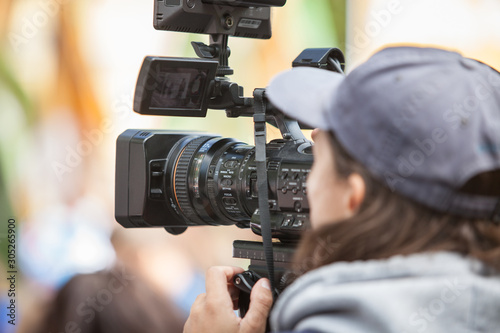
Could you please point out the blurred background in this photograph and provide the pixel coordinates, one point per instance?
(67, 76)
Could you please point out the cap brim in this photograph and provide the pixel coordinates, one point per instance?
(305, 93)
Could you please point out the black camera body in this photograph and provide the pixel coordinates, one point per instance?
(178, 179)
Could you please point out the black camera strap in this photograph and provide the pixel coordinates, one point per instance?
(259, 119)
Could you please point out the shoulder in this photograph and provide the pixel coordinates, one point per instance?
(376, 295)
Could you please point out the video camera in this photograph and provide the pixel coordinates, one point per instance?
(178, 179)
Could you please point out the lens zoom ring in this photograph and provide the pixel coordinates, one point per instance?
(181, 179)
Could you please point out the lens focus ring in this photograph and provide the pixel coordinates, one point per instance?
(181, 185)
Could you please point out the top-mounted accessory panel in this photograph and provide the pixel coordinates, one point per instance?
(238, 18)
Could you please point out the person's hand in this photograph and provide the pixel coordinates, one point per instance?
(214, 311)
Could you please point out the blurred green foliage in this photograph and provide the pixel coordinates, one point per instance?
(10, 83)
(326, 22)
(11, 87)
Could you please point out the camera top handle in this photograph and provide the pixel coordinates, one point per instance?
(229, 95)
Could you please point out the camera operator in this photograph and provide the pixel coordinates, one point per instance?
(405, 203)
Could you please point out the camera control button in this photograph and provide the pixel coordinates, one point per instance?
(295, 191)
(226, 182)
(156, 192)
(157, 174)
(288, 222)
(297, 206)
(298, 224)
(156, 166)
(231, 164)
(284, 175)
(229, 201)
(284, 190)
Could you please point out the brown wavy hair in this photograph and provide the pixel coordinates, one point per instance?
(389, 224)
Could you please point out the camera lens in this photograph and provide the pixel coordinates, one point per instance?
(209, 181)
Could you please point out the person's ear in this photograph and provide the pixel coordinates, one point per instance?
(357, 191)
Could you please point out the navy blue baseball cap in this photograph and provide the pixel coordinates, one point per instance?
(423, 121)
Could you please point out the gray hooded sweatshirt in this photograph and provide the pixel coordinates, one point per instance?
(432, 293)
